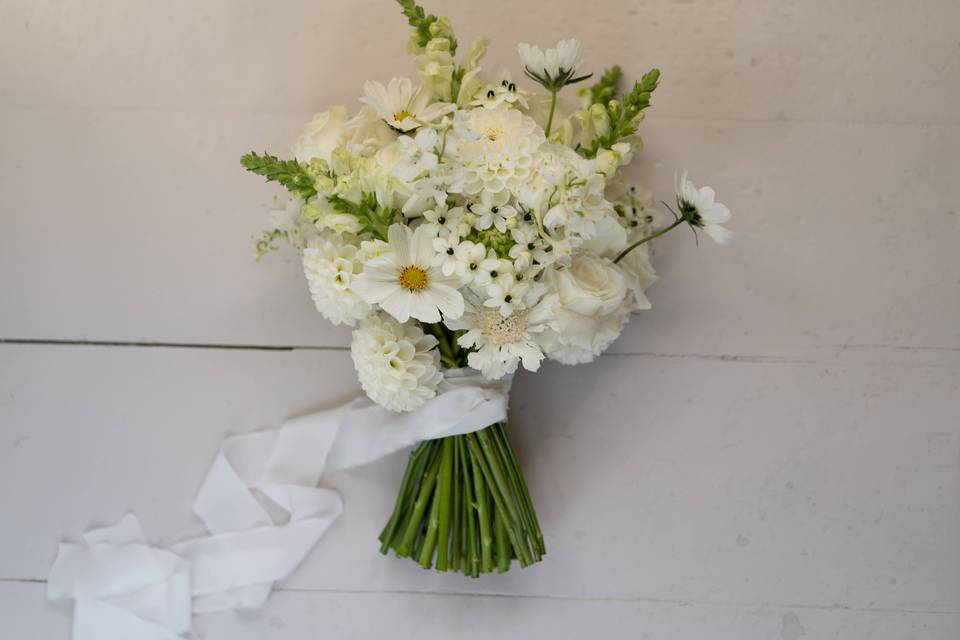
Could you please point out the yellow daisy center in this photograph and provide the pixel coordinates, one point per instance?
(492, 134)
(400, 116)
(500, 330)
(413, 278)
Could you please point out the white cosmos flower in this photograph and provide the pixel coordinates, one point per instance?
(397, 364)
(331, 265)
(403, 106)
(702, 210)
(501, 343)
(404, 282)
(554, 67)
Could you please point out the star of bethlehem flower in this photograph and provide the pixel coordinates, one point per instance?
(554, 68)
(403, 106)
(404, 281)
(700, 209)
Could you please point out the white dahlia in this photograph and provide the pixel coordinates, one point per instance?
(331, 264)
(495, 149)
(397, 364)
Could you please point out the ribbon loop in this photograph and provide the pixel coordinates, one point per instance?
(125, 588)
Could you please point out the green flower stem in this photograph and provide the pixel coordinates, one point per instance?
(499, 474)
(553, 107)
(639, 242)
(483, 516)
(444, 493)
(433, 526)
(458, 522)
(516, 477)
(472, 560)
(503, 543)
(416, 517)
(413, 471)
(514, 528)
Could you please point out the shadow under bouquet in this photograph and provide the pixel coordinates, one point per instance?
(467, 224)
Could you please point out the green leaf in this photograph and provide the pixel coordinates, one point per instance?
(290, 173)
(376, 220)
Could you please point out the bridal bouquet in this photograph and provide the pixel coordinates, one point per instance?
(466, 225)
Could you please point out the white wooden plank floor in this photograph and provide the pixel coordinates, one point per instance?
(772, 452)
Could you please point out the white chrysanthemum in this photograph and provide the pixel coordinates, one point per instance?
(397, 364)
(403, 106)
(502, 343)
(495, 149)
(331, 264)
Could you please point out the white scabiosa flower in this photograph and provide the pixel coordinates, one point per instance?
(404, 281)
(331, 265)
(403, 106)
(700, 209)
(502, 343)
(397, 364)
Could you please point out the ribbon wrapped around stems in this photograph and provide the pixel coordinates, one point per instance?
(124, 588)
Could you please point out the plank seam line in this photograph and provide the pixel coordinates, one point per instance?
(682, 602)
(747, 359)
(306, 115)
(166, 345)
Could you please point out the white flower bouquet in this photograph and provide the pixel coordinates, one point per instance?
(466, 226)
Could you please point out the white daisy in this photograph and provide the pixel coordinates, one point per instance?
(403, 106)
(404, 282)
(398, 365)
(701, 210)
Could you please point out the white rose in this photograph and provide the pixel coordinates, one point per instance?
(322, 135)
(367, 133)
(609, 238)
(591, 286)
(579, 339)
(640, 274)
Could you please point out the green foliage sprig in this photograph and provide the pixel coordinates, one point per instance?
(374, 218)
(421, 21)
(290, 173)
(625, 115)
(607, 87)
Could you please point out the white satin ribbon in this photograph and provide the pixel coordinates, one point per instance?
(124, 588)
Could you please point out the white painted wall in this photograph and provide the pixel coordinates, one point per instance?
(772, 452)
